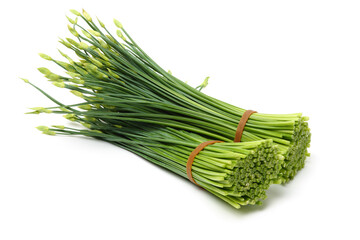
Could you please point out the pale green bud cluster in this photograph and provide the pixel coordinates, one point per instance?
(96, 131)
(64, 109)
(118, 24)
(44, 56)
(101, 23)
(75, 12)
(77, 93)
(119, 33)
(70, 117)
(40, 110)
(72, 74)
(203, 84)
(96, 62)
(59, 84)
(95, 33)
(71, 20)
(66, 44)
(87, 125)
(90, 67)
(77, 81)
(67, 57)
(113, 74)
(96, 87)
(73, 42)
(90, 119)
(25, 80)
(104, 44)
(45, 130)
(44, 71)
(73, 31)
(59, 127)
(83, 46)
(88, 35)
(111, 38)
(86, 16)
(85, 107)
(54, 77)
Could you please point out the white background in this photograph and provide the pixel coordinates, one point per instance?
(271, 56)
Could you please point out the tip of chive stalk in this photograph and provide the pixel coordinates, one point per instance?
(42, 128)
(71, 20)
(44, 56)
(73, 31)
(59, 127)
(75, 12)
(41, 110)
(101, 23)
(86, 16)
(70, 117)
(59, 84)
(51, 133)
(77, 93)
(95, 33)
(25, 80)
(203, 84)
(45, 130)
(44, 70)
(118, 24)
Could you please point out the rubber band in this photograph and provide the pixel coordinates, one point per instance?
(242, 123)
(192, 157)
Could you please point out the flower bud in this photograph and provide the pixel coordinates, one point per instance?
(83, 46)
(86, 15)
(78, 81)
(25, 80)
(95, 33)
(72, 74)
(96, 62)
(75, 12)
(42, 128)
(44, 56)
(77, 93)
(90, 67)
(118, 24)
(85, 107)
(41, 110)
(88, 35)
(53, 77)
(87, 125)
(101, 23)
(64, 109)
(44, 70)
(113, 74)
(59, 84)
(59, 127)
(70, 117)
(73, 42)
(70, 20)
(66, 44)
(73, 31)
(119, 33)
(48, 132)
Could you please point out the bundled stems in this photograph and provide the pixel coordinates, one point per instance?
(129, 100)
